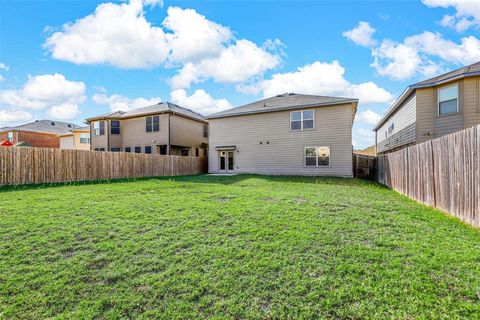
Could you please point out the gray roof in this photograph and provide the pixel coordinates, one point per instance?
(464, 72)
(156, 108)
(48, 126)
(284, 101)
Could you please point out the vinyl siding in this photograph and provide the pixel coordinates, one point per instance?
(472, 102)
(404, 127)
(186, 132)
(284, 153)
(66, 142)
(99, 141)
(77, 144)
(134, 134)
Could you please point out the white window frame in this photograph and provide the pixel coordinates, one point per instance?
(438, 99)
(301, 120)
(316, 157)
(96, 128)
(88, 138)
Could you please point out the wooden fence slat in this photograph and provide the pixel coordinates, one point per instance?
(42, 165)
(442, 173)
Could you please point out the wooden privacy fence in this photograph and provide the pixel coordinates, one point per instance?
(363, 167)
(442, 173)
(41, 165)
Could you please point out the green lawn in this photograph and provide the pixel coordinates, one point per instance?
(242, 247)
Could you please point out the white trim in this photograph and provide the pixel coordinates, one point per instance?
(438, 99)
(301, 120)
(316, 157)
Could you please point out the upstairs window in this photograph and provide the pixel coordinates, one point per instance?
(99, 128)
(10, 136)
(85, 138)
(114, 127)
(317, 156)
(301, 120)
(152, 124)
(205, 131)
(448, 99)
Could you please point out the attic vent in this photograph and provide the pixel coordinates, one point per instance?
(52, 123)
(69, 125)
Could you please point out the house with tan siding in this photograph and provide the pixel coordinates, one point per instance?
(289, 134)
(164, 128)
(76, 139)
(431, 109)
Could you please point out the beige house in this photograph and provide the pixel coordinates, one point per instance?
(289, 134)
(431, 109)
(77, 139)
(163, 128)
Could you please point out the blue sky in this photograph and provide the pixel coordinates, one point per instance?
(69, 60)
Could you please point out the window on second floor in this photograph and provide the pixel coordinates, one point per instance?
(10, 136)
(85, 138)
(152, 124)
(301, 120)
(114, 127)
(205, 131)
(99, 128)
(448, 99)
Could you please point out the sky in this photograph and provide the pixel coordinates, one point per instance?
(70, 60)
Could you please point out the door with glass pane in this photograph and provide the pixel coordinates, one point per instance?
(226, 160)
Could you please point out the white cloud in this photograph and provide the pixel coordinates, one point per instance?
(322, 78)
(200, 101)
(361, 35)
(13, 117)
(120, 35)
(362, 138)
(115, 34)
(401, 61)
(467, 13)
(236, 63)
(2, 78)
(121, 103)
(369, 117)
(3, 66)
(52, 91)
(193, 36)
(65, 111)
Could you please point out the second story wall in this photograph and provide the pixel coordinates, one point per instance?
(99, 141)
(472, 101)
(399, 129)
(187, 132)
(134, 134)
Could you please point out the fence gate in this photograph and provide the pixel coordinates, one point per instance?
(363, 167)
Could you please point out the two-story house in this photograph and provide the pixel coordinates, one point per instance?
(431, 109)
(289, 134)
(163, 128)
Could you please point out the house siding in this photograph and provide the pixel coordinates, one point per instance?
(66, 142)
(186, 132)
(99, 141)
(282, 151)
(472, 102)
(133, 133)
(404, 127)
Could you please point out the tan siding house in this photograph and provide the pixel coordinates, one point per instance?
(441, 105)
(163, 128)
(77, 139)
(265, 137)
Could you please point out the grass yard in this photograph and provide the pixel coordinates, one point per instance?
(241, 247)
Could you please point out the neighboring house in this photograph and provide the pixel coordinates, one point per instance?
(40, 133)
(431, 109)
(289, 134)
(163, 128)
(76, 139)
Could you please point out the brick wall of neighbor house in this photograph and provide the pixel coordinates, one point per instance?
(37, 139)
(4, 136)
